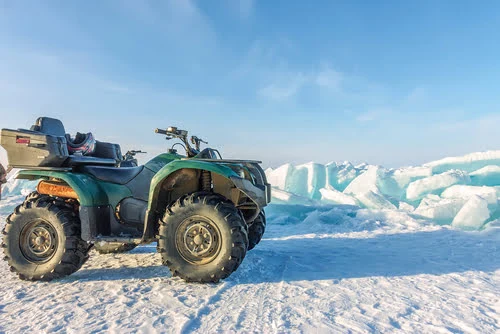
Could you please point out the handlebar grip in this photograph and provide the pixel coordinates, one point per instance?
(160, 131)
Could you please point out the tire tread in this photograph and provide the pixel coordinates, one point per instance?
(231, 215)
(76, 250)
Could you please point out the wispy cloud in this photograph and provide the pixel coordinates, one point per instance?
(288, 82)
(329, 78)
(285, 87)
(267, 66)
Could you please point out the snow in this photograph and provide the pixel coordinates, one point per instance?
(330, 269)
(15, 187)
(363, 260)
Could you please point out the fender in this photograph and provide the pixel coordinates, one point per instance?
(90, 191)
(97, 199)
(162, 175)
(231, 170)
(176, 165)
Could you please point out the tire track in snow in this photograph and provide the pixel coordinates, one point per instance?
(204, 310)
(279, 296)
(240, 308)
(243, 305)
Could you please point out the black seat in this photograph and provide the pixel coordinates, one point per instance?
(121, 175)
(81, 160)
(50, 126)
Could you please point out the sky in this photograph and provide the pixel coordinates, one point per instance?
(394, 83)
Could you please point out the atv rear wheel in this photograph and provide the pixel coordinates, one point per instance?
(202, 238)
(256, 230)
(113, 247)
(42, 239)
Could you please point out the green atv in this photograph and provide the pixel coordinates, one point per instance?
(204, 212)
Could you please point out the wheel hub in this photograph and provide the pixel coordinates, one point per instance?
(38, 241)
(198, 240)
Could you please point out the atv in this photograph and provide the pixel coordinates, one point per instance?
(204, 212)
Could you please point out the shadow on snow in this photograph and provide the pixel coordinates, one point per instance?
(435, 253)
(404, 254)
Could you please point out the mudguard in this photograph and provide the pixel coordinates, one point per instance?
(237, 172)
(97, 198)
(256, 189)
(90, 191)
(184, 164)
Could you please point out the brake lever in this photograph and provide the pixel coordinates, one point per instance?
(196, 140)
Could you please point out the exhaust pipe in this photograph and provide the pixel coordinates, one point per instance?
(57, 189)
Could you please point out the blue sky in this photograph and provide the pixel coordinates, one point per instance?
(392, 82)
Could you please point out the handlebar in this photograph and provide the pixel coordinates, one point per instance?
(173, 132)
(161, 132)
(134, 152)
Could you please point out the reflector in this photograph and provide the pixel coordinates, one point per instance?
(22, 140)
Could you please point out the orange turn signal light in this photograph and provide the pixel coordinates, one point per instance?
(57, 189)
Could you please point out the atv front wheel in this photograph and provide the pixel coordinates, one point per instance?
(202, 238)
(42, 239)
(113, 247)
(256, 230)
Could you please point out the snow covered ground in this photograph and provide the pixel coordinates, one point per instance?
(376, 254)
